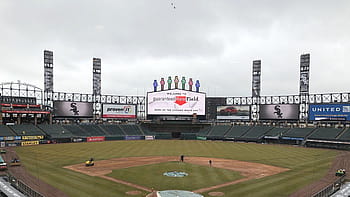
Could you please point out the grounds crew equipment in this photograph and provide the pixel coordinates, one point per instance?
(340, 172)
(3, 164)
(15, 162)
(89, 162)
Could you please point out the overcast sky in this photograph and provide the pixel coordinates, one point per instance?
(142, 40)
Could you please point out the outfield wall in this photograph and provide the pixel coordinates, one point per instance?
(310, 137)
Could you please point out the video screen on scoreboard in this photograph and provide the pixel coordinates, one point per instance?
(175, 102)
(329, 112)
(118, 111)
(233, 112)
(72, 109)
(279, 112)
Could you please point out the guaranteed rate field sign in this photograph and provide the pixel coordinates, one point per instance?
(337, 112)
(118, 111)
(175, 102)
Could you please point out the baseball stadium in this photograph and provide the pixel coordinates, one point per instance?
(173, 141)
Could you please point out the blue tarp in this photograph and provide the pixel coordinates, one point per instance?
(177, 193)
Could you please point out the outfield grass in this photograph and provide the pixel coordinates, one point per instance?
(198, 177)
(46, 161)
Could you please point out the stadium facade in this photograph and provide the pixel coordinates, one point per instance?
(176, 108)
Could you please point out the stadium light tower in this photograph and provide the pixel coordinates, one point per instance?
(48, 77)
(304, 85)
(48, 80)
(256, 78)
(96, 70)
(96, 86)
(48, 71)
(304, 74)
(256, 73)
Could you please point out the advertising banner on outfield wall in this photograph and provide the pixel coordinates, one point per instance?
(133, 137)
(12, 144)
(118, 111)
(29, 143)
(78, 140)
(175, 102)
(233, 112)
(36, 137)
(72, 109)
(279, 112)
(338, 112)
(95, 139)
(149, 137)
(9, 138)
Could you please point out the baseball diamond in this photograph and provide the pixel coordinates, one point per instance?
(278, 170)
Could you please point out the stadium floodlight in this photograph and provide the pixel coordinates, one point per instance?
(256, 78)
(304, 74)
(48, 71)
(96, 71)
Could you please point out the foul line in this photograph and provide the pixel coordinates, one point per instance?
(127, 183)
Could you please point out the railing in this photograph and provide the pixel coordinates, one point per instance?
(22, 187)
(331, 188)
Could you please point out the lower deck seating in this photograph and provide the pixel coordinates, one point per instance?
(237, 131)
(131, 129)
(345, 136)
(26, 129)
(93, 130)
(76, 130)
(257, 132)
(276, 132)
(298, 132)
(219, 130)
(325, 133)
(204, 131)
(216, 132)
(112, 130)
(6, 131)
(55, 131)
(147, 131)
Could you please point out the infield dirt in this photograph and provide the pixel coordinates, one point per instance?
(247, 169)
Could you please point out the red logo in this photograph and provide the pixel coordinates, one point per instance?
(95, 139)
(180, 100)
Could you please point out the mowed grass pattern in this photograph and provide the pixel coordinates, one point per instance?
(198, 177)
(46, 161)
